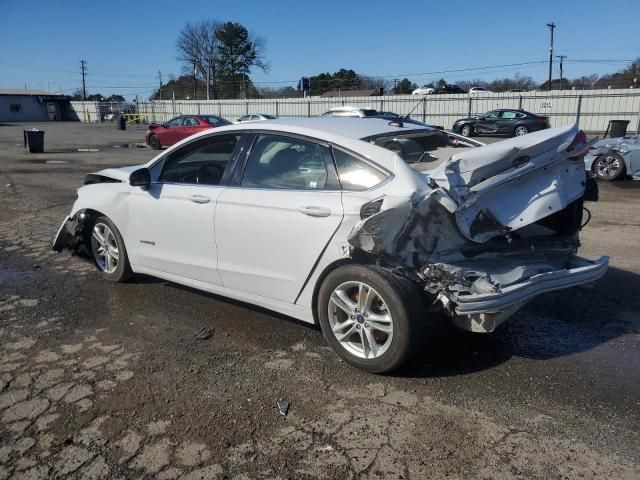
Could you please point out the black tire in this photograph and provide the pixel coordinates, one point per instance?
(154, 142)
(403, 302)
(609, 167)
(520, 130)
(123, 270)
(467, 131)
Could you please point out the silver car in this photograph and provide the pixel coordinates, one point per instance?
(614, 158)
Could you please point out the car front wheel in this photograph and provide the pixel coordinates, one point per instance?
(108, 251)
(371, 318)
(609, 167)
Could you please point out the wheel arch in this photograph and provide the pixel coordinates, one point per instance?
(358, 258)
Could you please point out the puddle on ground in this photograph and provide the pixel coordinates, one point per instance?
(88, 150)
(58, 162)
(14, 276)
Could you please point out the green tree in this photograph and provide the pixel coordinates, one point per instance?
(405, 86)
(115, 98)
(238, 53)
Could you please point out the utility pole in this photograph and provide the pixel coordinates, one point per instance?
(561, 57)
(83, 67)
(208, 77)
(552, 27)
(160, 90)
(194, 79)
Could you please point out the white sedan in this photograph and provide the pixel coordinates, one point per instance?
(323, 220)
(424, 91)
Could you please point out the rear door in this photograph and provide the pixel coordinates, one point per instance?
(507, 121)
(273, 224)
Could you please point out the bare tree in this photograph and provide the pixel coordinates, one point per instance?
(198, 50)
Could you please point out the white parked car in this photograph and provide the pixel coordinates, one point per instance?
(348, 111)
(479, 91)
(255, 117)
(424, 91)
(322, 220)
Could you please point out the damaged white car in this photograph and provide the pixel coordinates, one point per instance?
(325, 221)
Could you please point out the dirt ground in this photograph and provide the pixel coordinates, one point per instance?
(105, 381)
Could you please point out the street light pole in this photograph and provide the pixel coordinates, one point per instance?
(552, 27)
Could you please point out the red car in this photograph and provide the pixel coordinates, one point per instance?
(179, 128)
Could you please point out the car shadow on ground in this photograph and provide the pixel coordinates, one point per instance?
(551, 326)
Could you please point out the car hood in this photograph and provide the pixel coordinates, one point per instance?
(121, 174)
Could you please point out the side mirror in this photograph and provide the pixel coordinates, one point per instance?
(164, 125)
(140, 178)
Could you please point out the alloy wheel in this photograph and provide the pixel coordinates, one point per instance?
(105, 248)
(608, 167)
(360, 320)
(521, 131)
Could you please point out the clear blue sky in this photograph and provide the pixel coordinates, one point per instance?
(126, 42)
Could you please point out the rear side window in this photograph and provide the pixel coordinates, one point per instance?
(281, 162)
(355, 174)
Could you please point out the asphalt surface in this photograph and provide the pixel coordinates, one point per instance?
(110, 381)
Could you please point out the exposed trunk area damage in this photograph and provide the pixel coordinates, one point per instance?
(498, 226)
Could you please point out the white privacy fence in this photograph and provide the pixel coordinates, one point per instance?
(592, 109)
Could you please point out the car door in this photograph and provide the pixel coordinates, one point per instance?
(171, 133)
(507, 121)
(274, 222)
(488, 123)
(173, 221)
(192, 126)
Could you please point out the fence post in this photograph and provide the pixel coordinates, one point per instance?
(246, 108)
(578, 109)
(381, 104)
(308, 108)
(424, 109)
(277, 110)
(520, 102)
(469, 113)
(638, 122)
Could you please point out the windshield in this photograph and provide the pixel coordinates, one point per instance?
(426, 149)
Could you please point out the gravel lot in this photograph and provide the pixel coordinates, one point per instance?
(109, 381)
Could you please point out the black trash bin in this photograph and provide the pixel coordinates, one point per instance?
(34, 140)
(122, 122)
(617, 128)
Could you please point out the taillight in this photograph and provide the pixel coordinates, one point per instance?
(580, 139)
(544, 120)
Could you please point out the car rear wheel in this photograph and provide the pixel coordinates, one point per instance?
(154, 142)
(467, 131)
(520, 130)
(609, 167)
(108, 251)
(371, 318)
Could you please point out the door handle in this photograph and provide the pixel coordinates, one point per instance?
(200, 198)
(314, 211)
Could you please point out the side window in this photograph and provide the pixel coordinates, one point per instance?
(244, 118)
(175, 122)
(492, 115)
(509, 115)
(284, 162)
(190, 122)
(355, 174)
(202, 162)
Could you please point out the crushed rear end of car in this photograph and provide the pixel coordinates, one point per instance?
(496, 226)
